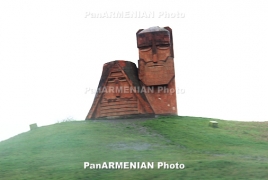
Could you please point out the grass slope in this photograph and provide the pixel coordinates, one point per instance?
(235, 150)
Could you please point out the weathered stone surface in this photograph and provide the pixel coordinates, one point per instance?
(119, 93)
(156, 68)
(125, 90)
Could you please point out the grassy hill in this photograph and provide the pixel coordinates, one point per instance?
(235, 150)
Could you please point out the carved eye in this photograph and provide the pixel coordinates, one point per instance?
(121, 78)
(163, 46)
(145, 48)
(111, 79)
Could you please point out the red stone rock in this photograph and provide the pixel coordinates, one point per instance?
(125, 91)
(119, 93)
(156, 68)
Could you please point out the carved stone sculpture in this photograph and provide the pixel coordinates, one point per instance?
(156, 68)
(119, 93)
(127, 91)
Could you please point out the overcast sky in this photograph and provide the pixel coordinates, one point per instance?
(52, 52)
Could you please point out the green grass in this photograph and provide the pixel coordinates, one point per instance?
(235, 150)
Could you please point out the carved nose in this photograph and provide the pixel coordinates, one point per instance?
(155, 58)
(117, 89)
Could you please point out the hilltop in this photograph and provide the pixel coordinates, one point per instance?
(235, 150)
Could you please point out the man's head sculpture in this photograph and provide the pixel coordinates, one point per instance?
(156, 65)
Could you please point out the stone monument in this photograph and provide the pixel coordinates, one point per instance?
(156, 68)
(127, 91)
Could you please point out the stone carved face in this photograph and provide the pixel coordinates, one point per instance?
(156, 66)
(115, 96)
(117, 88)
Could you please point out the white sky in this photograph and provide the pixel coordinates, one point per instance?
(51, 53)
